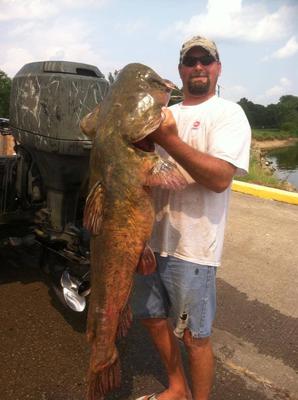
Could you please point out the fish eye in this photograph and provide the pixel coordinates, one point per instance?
(153, 79)
(158, 83)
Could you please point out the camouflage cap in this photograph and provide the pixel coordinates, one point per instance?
(199, 41)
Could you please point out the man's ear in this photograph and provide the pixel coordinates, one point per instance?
(179, 69)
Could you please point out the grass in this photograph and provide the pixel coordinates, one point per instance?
(271, 134)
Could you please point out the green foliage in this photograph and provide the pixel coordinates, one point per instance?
(5, 86)
(282, 116)
(289, 112)
(290, 127)
(271, 134)
(258, 115)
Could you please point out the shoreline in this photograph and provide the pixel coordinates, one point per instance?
(261, 147)
(273, 144)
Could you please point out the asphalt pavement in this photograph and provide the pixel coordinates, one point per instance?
(43, 351)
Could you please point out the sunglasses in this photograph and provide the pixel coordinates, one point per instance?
(191, 61)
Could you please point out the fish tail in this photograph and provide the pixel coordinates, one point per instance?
(102, 382)
(125, 321)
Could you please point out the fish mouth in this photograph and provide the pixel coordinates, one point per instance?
(146, 144)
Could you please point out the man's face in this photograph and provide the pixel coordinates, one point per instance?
(200, 79)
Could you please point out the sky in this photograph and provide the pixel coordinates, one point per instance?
(257, 39)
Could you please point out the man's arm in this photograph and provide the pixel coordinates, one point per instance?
(211, 172)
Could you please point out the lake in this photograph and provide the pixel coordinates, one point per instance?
(285, 162)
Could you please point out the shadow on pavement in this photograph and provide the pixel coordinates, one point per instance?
(24, 265)
(270, 331)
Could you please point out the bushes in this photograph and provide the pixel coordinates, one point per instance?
(271, 134)
(291, 128)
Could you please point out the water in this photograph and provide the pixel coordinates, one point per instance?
(285, 162)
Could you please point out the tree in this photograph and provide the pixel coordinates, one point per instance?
(273, 116)
(288, 110)
(248, 108)
(5, 86)
(283, 115)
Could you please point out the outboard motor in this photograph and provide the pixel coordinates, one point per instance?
(48, 100)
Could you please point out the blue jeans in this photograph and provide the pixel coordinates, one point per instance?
(181, 290)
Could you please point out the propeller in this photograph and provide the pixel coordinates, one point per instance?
(75, 291)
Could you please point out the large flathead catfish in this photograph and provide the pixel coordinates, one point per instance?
(119, 211)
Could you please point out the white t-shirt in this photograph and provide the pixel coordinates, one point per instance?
(190, 223)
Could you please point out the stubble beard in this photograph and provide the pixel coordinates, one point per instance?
(197, 87)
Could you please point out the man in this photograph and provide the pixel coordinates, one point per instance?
(209, 139)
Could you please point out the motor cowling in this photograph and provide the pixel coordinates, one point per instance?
(48, 100)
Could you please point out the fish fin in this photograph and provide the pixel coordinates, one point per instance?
(147, 262)
(89, 123)
(166, 175)
(94, 209)
(103, 381)
(125, 320)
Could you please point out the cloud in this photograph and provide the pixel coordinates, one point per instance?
(232, 20)
(288, 50)
(65, 40)
(273, 94)
(55, 30)
(279, 89)
(41, 9)
(233, 92)
(12, 54)
(82, 3)
(21, 29)
(26, 9)
(130, 27)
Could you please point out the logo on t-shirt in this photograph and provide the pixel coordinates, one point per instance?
(196, 125)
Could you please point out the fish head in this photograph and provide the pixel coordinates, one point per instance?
(141, 94)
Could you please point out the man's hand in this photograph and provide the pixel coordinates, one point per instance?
(166, 130)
